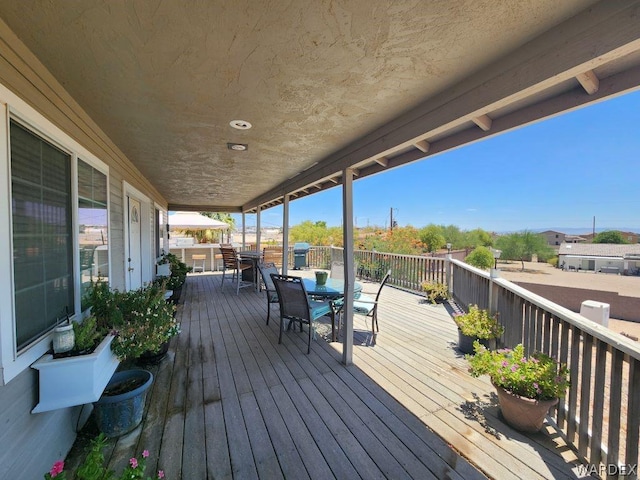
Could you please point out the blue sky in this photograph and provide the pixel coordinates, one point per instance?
(559, 172)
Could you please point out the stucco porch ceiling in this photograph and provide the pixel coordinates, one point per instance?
(325, 84)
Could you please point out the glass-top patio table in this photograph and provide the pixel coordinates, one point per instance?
(333, 289)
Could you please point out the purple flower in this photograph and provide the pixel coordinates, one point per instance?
(514, 368)
(145, 453)
(160, 473)
(505, 363)
(133, 462)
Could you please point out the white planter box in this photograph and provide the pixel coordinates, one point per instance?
(163, 270)
(66, 382)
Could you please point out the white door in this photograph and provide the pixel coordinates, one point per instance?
(134, 261)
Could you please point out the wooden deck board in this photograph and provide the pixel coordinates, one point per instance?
(230, 402)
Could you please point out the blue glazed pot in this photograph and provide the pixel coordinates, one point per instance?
(121, 412)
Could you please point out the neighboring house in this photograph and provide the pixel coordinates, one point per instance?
(555, 239)
(72, 207)
(600, 257)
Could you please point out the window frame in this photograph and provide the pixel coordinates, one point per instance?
(12, 108)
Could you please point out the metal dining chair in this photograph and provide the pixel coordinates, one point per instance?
(295, 305)
(367, 306)
(231, 261)
(266, 269)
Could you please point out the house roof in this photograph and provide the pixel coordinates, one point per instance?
(599, 249)
(327, 85)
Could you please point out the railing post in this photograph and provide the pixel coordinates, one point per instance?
(493, 291)
(449, 274)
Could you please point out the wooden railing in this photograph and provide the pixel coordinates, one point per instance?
(407, 271)
(600, 415)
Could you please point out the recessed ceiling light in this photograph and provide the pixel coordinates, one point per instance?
(240, 124)
(238, 147)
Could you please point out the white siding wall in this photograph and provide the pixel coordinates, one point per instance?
(30, 443)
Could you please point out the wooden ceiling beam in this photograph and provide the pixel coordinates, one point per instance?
(483, 121)
(384, 161)
(422, 145)
(589, 81)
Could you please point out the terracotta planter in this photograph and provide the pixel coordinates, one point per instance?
(465, 342)
(524, 414)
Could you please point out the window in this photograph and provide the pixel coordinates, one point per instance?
(42, 234)
(93, 227)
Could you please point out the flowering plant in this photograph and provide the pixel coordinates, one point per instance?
(142, 320)
(479, 323)
(538, 376)
(93, 466)
(146, 321)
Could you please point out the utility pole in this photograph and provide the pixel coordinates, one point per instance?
(391, 218)
(594, 227)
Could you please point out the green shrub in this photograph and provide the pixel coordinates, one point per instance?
(436, 292)
(481, 257)
(479, 323)
(553, 261)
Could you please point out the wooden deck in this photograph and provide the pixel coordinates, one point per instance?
(229, 402)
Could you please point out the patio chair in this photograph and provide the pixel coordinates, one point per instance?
(296, 306)
(272, 255)
(266, 269)
(337, 270)
(199, 260)
(367, 306)
(231, 261)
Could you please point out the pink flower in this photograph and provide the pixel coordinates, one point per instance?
(505, 363)
(145, 453)
(514, 368)
(57, 468)
(160, 473)
(134, 462)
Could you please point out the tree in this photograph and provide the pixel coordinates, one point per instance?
(210, 235)
(431, 236)
(609, 236)
(523, 245)
(477, 238)
(481, 257)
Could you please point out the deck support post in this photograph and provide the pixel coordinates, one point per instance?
(347, 221)
(285, 234)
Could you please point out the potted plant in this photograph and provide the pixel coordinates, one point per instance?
(179, 271)
(436, 292)
(121, 406)
(477, 324)
(163, 266)
(80, 375)
(527, 387)
(144, 322)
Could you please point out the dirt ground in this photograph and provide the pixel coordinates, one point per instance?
(543, 273)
